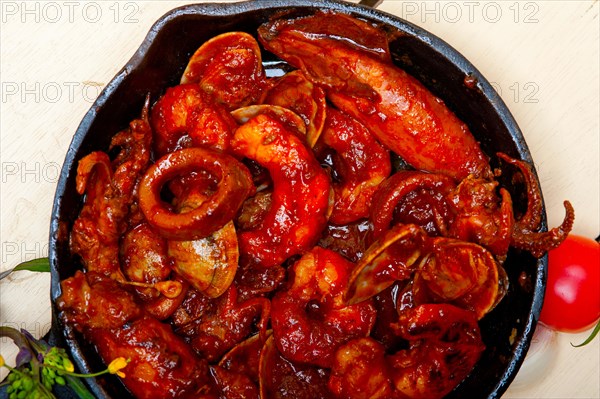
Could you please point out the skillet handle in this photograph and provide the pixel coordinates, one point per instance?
(370, 3)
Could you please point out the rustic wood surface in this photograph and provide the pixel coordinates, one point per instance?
(542, 57)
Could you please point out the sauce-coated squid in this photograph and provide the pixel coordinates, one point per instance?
(525, 234)
(161, 365)
(404, 115)
(233, 181)
(470, 211)
(412, 197)
(109, 188)
(209, 264)
(331, 231)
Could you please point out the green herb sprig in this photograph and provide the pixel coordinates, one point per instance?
(39, 265)
(39, 367)
(589, 339)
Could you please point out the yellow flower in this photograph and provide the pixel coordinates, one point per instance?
(116, 365)
(68, 365)
(1, 361)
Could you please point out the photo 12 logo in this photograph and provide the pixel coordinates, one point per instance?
(30, 172)
(14, 253)
(69, 11)
(517, 92)
(470, 11)
(50, 92)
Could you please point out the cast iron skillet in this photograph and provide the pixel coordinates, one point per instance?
(159, 63)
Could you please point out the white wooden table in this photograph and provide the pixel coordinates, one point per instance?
(542, 57)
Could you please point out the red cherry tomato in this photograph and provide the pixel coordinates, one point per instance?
(572, 301)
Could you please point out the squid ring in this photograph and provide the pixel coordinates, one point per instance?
(234, 186)
(396, 187)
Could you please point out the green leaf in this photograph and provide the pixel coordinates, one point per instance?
(40, 265)
(35, 265)
(590, 338)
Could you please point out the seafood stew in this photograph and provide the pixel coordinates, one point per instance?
(192, 297)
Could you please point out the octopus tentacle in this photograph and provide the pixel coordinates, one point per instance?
(532, 217)
(538, 243)
(524, 235)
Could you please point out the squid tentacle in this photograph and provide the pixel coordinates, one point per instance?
(538, 243)
(524, 235)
